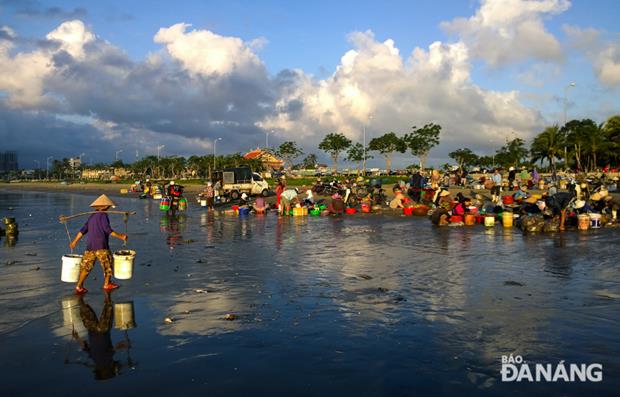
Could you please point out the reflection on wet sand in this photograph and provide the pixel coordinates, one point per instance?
(97, 346)
(372, 295)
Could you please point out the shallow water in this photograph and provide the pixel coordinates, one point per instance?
(365, 305)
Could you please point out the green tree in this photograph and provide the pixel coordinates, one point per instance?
(421, 140)
(586, 140)
(309, 162)
(611, 132)
(334, 144)
(289, 151)
(386, 145)
(548, 145)
(464, 157)
(355, 154)
(511, 154)
(486, 161)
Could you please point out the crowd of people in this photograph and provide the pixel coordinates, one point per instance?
(428, 193)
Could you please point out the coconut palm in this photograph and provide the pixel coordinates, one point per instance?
(611, 131)
(548, 145)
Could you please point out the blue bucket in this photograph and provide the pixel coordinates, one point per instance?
(244, 211)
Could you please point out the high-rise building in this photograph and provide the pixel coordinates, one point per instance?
(8, 161)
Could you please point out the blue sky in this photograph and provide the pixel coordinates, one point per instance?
(312, 37)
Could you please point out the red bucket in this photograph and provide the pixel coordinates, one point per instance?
(480, 219)
(350, 211)
(408, 210)
(456, 219)
(366, 208)
(507, 200)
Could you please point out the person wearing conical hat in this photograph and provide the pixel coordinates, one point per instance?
(98, 230)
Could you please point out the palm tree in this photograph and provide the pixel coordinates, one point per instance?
(548, 145)
(611, 131)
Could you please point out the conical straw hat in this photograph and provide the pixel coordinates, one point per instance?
(103, 201)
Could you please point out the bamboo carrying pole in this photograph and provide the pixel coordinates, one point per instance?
(63, 218)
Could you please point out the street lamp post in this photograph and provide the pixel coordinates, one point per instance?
(572, 84)
(364, 159)
(47, 166)
(159, 148)
(117, 152)
(267, 139)
(214, 146)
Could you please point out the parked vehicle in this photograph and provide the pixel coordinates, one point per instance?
(236, 181)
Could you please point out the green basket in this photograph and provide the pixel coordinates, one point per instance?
(315, 212)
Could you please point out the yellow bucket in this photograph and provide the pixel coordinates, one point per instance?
(507, 219)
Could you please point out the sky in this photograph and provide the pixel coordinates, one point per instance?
(119, 79)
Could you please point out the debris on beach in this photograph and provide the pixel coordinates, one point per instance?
(168, 320)
(514, 283)
(230, 317)
(365, 276)
(200, 291)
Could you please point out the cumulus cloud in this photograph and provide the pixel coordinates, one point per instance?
(72, 37)
(504, 31)
(373, 80)
(206, 53)
(92, 97)
(605, 55)
(88, 82)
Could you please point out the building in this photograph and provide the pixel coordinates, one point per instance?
(8, 162)
(75, 162)
(269, 160)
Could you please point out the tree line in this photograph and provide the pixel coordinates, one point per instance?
(580, 145)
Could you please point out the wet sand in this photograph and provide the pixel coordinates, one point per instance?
(359, 305)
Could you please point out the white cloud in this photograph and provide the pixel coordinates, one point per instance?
(72, 36)
(604, 55)
(504, 31)
(372, 79)
(21, 75)
(204, 52)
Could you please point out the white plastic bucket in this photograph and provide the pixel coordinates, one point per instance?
(70, 268)
(71, 314)
(123, 316)
(123, 264)
(203, 203)
(595, 221)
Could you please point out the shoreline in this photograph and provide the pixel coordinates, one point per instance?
(191, 191)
